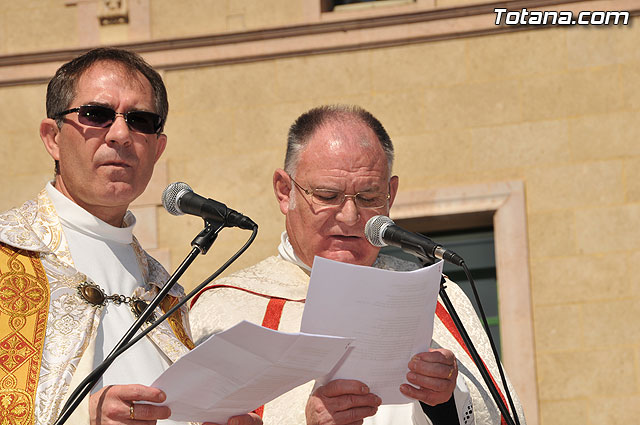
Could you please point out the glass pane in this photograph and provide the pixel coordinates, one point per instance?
(477, 249)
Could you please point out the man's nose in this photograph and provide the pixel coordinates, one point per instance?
(119, 131)
(348, 212)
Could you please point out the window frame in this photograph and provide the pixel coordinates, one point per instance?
(504, 202)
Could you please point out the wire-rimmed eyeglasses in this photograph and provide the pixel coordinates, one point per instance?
(334, 198)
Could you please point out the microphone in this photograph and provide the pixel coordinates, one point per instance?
(381, 231)
(178, 198)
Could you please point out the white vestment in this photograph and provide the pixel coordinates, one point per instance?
(116, 262)
(220, 308)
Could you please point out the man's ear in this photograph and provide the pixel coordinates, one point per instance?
(49, 134)
(282, 189)
(393, 189)
(161, 144)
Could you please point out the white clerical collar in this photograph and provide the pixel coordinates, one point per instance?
(75, 217)
(286, 252)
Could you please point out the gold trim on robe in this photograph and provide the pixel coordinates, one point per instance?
(24, 306)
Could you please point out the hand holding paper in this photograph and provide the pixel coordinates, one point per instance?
(242, 368)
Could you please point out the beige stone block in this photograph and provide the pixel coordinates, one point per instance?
(29, 4)
(588, 373)
(611, 323)
(606, 230)
(40, 27)
(558, 327)
(591, 46)
(628, 37)
(632, 179)
(401, 113)
(551, 234)
(572, 186)
(227, 86)
(471, 105)
(3, 38)
(443, 178)
(406, 68)
(630, 75)
(233, 178)
(273, 13)
(614, 410)
(22, 188)
(605, 136)
(114, 34)
(565, 412)
(633, 271)
(316, 76)
(20, 156)
(171, 19)
(520, 145)
(264, 127)
(516, 54)
(146, 230)
(366, 101)
(420, 157)
(24, 108)
(570, 94)
(579, 279)
(200, 133)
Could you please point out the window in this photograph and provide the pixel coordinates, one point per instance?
(331, 5)
(477, 249)
(499, 206)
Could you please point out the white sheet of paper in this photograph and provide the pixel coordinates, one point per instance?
(238, 370)
(390, 315)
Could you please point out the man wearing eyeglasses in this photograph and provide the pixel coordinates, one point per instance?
(337, 175)
(72, 276)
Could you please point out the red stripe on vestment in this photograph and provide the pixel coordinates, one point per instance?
(195, 298)
(271, 317)
(447, 321)
(273, 314)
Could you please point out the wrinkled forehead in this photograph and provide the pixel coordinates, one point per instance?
(350, 146)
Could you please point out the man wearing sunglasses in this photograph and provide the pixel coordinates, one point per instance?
(72, 275)
(337, 175)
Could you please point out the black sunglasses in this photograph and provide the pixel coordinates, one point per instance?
(101, 116)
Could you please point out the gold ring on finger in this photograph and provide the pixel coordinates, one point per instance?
(132, 412)
(451, 372)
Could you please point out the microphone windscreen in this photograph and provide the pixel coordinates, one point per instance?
(172, 194)
(374, 227)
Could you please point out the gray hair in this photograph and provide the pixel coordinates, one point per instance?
(306, 125)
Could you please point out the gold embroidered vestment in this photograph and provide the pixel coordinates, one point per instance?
(24, 305)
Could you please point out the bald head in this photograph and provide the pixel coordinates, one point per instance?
(333, 117)
(335, 154)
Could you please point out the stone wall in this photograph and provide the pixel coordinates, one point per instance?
(555, 108)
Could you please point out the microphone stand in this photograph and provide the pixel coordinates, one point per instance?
(475, 356)
(201, 244)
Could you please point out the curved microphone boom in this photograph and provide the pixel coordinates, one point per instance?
(178, 198)
(381, 231)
